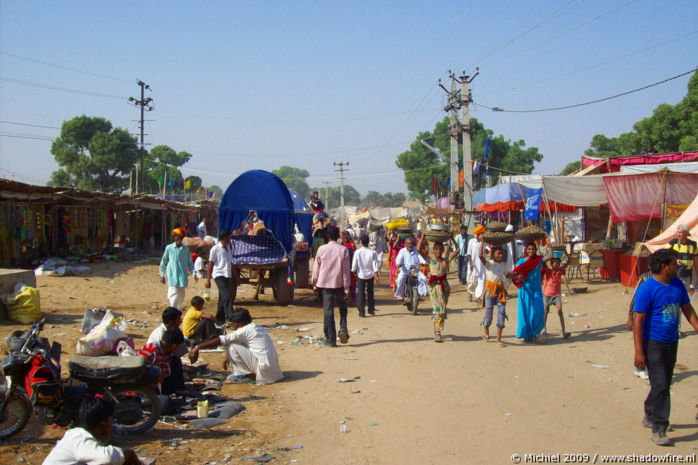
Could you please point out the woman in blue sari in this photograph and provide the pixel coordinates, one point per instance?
(531, 311)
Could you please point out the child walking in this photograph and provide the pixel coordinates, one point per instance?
(552, 284)
(495, 292)
(439, 290)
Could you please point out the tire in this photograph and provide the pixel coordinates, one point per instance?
(17, 413)
(303, 273)
(134, 399)
(414, 302)
(283, 292)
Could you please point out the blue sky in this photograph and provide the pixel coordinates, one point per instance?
(246, 85)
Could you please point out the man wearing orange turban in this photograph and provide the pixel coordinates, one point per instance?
(175, 267)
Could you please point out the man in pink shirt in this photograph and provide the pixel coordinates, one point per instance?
(331, 276)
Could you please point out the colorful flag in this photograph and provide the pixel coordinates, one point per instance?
(533, 204)
(198, 191)
(160, 181)
(487, 146)
(187, 184)
(169, 183)
(435, 184)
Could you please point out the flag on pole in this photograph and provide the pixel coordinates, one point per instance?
(198, 191)
(487, 146)
(187, 184)
(160, 181)
(434, 184)
(169, 183)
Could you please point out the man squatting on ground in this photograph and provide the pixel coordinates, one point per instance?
(658, 304)
(251, 351)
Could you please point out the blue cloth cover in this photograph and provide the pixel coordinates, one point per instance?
(264, 193)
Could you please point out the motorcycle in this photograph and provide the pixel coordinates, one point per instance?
(410, 293)
(32, 382)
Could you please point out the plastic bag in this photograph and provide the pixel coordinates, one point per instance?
(93, 316)
(23, 304)
(102, 338)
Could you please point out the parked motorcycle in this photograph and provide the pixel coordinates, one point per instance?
(33, 382)
(411, 294)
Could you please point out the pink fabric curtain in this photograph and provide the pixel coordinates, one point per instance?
(640, 197)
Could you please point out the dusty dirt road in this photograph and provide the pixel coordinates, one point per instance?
(415, 402)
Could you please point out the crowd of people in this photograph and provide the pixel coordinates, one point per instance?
(343, 273)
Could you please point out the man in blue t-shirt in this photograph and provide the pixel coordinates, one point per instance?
(659, 302)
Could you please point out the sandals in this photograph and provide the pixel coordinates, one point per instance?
(437, 337)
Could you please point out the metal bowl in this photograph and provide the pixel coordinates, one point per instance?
(440, 227)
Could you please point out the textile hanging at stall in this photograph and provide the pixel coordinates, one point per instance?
(640, 197)
(689, 218)
(581, 191)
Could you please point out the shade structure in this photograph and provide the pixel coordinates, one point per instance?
(267, 195)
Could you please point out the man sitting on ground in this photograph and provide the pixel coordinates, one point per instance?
(83, 444)
(162, 354)
(171, 318)
(198, 326)
(250, 350)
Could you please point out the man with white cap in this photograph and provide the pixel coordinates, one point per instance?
(175, 267)
(687, 251)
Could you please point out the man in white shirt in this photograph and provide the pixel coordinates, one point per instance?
(476, 275)
(201, 229)
(365, 265)
(82, 445)
(250, 351)
(406, 259)
(220, 268)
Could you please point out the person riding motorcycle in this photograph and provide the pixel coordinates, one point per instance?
(407, 258)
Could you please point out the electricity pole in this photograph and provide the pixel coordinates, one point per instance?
(327, 198)
(341, 188)
(460, 99)
(144, 103)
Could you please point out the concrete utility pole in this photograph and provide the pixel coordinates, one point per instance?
(327, 197)
(144, 103)
(341, 188)
(457, 99)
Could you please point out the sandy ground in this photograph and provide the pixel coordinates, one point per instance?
(416, 402)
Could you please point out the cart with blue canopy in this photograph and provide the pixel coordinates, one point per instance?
(257, 208)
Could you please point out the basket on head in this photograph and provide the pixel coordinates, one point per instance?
(497, 238)
(404, 229)
(496, 226)
(437, 236)
(531, 233)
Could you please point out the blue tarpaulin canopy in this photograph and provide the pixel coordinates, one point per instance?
(304, 215)
(261, 192)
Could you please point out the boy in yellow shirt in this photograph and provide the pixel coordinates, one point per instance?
(199, 326)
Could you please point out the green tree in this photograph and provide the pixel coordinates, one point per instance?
(375, 199)
(421, 165)
(295, 179)
(351, 196)
(162, 165)
(671, 128)
(93, 155)
(571, 168)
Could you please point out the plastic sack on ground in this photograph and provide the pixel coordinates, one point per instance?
(22, 304)
(102, 338)
(94, 316)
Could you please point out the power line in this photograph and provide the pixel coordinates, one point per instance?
(568, 6)
(29, 124)
(296, 154)
(574, 28)
(592, 101)
(596, 65)
(63, 89)
(67, 68)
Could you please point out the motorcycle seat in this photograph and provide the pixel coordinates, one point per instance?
(106, 367)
